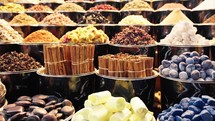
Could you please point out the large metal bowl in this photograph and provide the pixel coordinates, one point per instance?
(201, 16)
(167, 51)
(73, 87)
(128, 87)
(173, 90)
(149, 50)
(20, 83)
(191, 3)
(159, 16)
(145, 13)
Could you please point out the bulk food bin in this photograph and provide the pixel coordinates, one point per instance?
(73, 87)
(128, 87)
(20, 83)
(173, 90)
(167, 51)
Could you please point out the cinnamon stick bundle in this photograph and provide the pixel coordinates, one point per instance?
(125, 65)
(61, 59)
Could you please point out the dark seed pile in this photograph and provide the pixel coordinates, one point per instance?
(93, 18)
(13, 61)
(132, 36)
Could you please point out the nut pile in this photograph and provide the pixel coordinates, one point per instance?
(39, 108)
(69, 7)
(57, 19)
(93, 18)
(137, 5)
(7, 33)
(40, 8)
(190, 109)
(190, 66)
(13, 61)
(132, 36)
(103, 7)
(23, 19)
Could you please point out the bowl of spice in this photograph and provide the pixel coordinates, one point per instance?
(23, 19)
(134, 40)
(72, 10)
(69, 71)
(179, 41)
(57, 19)
(127, 76)
(9, 10)
(203, 11)
(137, 8)
(89, 35)
(18, 74)
(39, 11)
(83, 3)
(33, 43)
(167, 8)
(93, 17)
(108, 11)
(3, 91)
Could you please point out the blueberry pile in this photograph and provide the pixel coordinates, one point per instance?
(189, 66)
(190, 109)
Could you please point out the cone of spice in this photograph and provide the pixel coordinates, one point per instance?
(125, 65)
(62, 59)
(132, 36)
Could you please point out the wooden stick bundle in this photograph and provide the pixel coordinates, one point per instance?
(124, 65)
(68, 59)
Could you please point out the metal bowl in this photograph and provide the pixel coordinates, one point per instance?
(128, 87)
(8, 47)
(156, 4)
(145, 13)
(73, 87)
(159, 16)
(3, 105)
(34, 50)
(112, 15)
(149, 50)
(161, 31)
(85, 4)
(38, 15)
(52, 5)
(7, 16)
(75, 16)
(167, 51)
(191, 3)
(201, 16)
(173, 90)
(20, 83)
(116, 4)
(206, 30)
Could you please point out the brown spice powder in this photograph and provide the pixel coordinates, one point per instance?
(41, 36)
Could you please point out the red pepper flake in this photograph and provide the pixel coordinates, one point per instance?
(103, 7)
